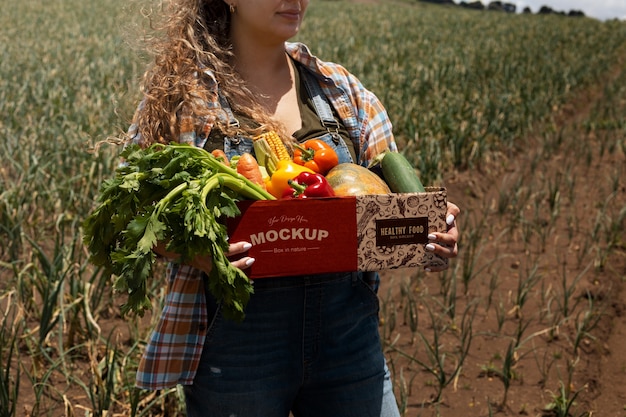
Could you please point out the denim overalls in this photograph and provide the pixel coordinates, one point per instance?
(308, 345)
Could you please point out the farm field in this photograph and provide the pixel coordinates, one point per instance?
(521, 117)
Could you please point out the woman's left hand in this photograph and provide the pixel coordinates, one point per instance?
(445, 244)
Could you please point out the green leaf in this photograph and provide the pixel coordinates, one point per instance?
(155, 230)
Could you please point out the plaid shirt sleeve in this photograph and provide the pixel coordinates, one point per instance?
(173, 351)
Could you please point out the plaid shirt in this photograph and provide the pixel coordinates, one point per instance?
(173, 352)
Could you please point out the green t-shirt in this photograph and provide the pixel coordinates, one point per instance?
(312, 126)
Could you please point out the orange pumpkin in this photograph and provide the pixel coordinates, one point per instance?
(352, 179)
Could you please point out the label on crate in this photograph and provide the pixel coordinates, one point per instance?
(391, 232)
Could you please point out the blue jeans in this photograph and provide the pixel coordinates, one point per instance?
(309, 345)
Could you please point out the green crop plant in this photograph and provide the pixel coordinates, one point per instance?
(9, 381)
(526, 282)
(563, 402)
(506, 373)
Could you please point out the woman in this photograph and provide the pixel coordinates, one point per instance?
(224, 72)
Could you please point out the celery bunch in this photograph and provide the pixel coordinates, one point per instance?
(172, 193)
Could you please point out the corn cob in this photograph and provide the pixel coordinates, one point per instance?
(264, 156)
(276, 145)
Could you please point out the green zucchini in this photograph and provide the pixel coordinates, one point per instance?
(399, 174)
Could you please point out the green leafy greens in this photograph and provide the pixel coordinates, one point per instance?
(177, 194)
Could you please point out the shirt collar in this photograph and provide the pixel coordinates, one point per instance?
(301, 53)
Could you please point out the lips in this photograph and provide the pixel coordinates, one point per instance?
(292, 14)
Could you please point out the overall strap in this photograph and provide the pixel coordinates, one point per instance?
(232, 120)
(215, 138)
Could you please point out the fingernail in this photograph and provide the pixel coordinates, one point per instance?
(430, 247)
(428, 270)
(432, 237)
(247, 246)
(250, 261)
(449, 219)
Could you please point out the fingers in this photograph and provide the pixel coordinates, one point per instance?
(445, 250)
(243, 263)
(452, 213)
(445, 244)
(239, 248)
(205, 263)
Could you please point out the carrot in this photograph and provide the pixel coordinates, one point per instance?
(218, 153)
(248, 166)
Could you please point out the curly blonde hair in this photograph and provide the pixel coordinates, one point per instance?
(192, 36)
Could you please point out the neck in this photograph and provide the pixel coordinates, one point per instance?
(254, 61)
(264, 68)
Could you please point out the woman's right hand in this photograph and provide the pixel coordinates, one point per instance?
(205, 264)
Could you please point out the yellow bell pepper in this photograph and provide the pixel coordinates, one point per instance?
(285, 171)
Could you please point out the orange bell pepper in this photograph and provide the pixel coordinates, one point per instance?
(316, 155)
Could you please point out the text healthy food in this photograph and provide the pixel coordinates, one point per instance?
(174, 194)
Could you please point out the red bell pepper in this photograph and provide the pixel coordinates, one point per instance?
(316, 155)
(308, 185)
